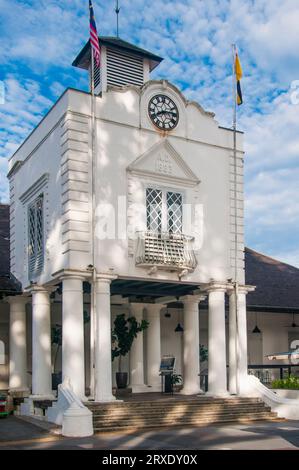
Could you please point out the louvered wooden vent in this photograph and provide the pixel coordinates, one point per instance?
(97, 76)
(124, 69)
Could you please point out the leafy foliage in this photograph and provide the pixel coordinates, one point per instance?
(124, 332)
(290, 383)
(177, 379)
(203, 352)
(56, 335)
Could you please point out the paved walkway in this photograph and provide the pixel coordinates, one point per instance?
(18, 434)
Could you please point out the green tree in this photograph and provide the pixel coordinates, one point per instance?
(124, 332)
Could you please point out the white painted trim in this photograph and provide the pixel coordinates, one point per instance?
(35, 188)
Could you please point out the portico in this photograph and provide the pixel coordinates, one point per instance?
(201, 325)
(138, 212)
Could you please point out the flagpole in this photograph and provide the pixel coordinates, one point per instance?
(236, 285)
(235, 156)
(93, 205)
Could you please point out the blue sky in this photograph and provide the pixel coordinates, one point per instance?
(41, 38)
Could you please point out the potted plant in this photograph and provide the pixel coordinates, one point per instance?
(177, 382)
(124, 332)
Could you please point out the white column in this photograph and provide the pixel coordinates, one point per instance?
(191, 349)
(41, 343)
(73, 333)
(136, 353)
(232, 346)
(153, 346)
(242, 361)
(17, 344)
(217, 347)
(103, 363)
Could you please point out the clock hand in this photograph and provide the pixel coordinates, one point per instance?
(166, 112)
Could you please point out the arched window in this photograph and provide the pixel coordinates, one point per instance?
(2, 352)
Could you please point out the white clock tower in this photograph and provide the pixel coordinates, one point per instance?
(165, 231)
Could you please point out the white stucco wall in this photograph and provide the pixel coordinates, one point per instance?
(60, 147)
(40, 155)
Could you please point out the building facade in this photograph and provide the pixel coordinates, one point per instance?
(129, 202)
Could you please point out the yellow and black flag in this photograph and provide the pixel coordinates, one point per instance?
(239, 75)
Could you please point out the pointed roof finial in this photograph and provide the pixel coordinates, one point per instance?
(117, 10)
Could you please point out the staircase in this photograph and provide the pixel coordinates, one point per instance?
(177, 411)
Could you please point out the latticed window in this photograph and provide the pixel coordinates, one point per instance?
(174, 212)
(35, 236)
(164, 211)
(154, 209)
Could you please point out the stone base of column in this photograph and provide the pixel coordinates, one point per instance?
(218, 394)
(105, 399)
(192, 391)
(154, 388)
(139, 388)
(19, 392)
(27, 408)
(243, 389)
(43, 397)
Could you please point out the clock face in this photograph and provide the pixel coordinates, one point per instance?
(163, 112)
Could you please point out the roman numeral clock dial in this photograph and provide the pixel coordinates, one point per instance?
(163, 112)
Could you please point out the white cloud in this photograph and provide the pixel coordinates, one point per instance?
(3, 181)
(23, 108)
(195, 37)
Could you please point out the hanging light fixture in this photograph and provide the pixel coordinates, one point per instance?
(256, 328)
(167, 314)
(294, 324)
(179, 328)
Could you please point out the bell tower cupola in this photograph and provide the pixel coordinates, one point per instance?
(122, 63)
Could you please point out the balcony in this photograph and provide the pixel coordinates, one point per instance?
(167, 251)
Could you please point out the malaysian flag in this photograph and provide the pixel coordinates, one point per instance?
(94, 40)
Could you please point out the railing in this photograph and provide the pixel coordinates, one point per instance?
(173, 251)
(266, 372)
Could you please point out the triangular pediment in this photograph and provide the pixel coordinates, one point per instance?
(164, 162)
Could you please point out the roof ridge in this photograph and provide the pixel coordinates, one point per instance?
(262, 255)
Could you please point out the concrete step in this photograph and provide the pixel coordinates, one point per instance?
(176, 412)
(197, 411)
(177, 399)
(171, 404)
(186, 416)
(183, 421)
(131, 427)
